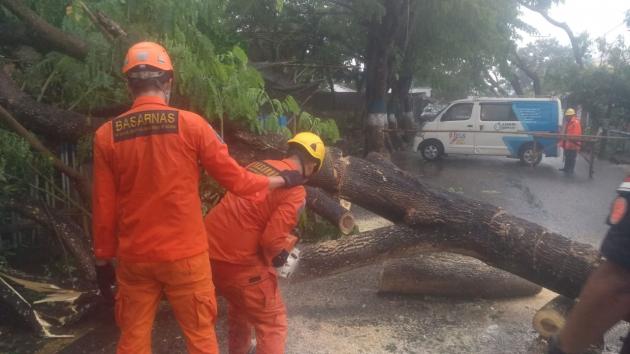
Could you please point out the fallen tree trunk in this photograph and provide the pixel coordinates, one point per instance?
(330, 209)
(48, 121)
(550, 319)
(66, 43)
(80, 181)
(329, 257)
(451, 275)
(449, 220)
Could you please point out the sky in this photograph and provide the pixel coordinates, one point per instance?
(597, 17)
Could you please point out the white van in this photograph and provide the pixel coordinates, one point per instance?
(490, 126)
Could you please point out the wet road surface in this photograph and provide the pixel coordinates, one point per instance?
(574, 206)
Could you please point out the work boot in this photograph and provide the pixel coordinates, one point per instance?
(562, 169)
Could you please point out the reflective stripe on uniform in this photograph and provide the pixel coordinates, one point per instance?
(263, 168)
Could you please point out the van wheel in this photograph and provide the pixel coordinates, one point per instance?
(431, 150)
(530, 156)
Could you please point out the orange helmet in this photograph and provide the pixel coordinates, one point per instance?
(147, 54)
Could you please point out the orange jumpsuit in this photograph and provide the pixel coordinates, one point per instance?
(572, 128)
(147, 214)
(244, 237)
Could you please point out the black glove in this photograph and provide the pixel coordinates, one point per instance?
(105, 278)
(279, 260)
(554, 346)
(292, 178)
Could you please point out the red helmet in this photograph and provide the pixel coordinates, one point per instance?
(148, 54)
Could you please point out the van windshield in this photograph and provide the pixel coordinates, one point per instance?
(458, 112)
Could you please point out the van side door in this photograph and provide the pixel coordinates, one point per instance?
(459, 127)
(495, 119)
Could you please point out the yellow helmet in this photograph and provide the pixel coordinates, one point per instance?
(313, 144)
(570, 112)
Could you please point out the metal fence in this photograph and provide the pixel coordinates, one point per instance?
(55, 191)
(616, 149)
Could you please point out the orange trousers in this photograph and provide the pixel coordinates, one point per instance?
(188, 287)
(254, 302)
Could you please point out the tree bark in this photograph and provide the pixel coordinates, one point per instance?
(480, 229)
(56, 125)
(550, 319)
(63, 42)
(451, 275)
(330, 209)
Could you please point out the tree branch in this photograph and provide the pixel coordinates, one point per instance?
(529, 72)
(45, 120)
(63, 42)
(578, 52)
(108, 27)
(76, 176)
(494, 84)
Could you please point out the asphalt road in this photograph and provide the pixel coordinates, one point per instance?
(344, 314)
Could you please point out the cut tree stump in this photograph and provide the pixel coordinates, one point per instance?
(451, 275)
(550, 319)
(330, 209)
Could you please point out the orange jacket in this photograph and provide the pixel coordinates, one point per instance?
(244, 232)
(572, 128)
(146, 205)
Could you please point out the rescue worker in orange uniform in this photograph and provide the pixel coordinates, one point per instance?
(571, 148)
(146, 208)
(249, 240)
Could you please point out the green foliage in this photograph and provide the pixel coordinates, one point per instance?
(325, 128)
(313, 228)
(217, 84)
(554, 63)
(604, 89)
(19, 167)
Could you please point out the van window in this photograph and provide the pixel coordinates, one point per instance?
(460, 111)
(497, 112)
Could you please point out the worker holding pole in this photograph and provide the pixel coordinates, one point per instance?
(146, 208)
(572, 128)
